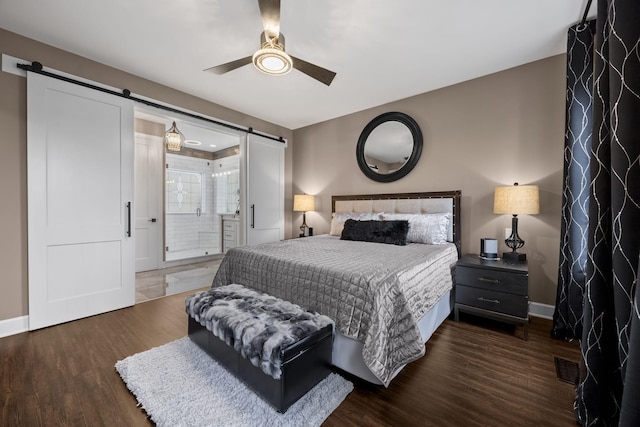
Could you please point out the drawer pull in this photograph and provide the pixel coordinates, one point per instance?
(483, 279)
(495, 301)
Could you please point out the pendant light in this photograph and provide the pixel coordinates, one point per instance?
(173, 139)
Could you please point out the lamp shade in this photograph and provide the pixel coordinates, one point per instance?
(516, 200)
(303, 203)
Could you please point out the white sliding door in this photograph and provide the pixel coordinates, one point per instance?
(265, 190)
(80, 155)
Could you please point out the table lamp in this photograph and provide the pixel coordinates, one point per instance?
(516, 200)
(303, 203)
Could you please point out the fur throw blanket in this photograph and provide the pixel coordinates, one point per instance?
(257, 325)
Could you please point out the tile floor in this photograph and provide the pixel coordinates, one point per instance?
(168, 281)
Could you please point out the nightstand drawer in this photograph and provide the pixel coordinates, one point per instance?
(495, 280)
(500, 302)
(229, 235)
(228, 225)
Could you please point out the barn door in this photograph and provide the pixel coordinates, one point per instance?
(265, 190)
(80, 154)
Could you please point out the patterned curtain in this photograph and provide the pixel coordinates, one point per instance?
(608, 394)
(567, 318)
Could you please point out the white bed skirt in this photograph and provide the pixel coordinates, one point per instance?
(347, 352)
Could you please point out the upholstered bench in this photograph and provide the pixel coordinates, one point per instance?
(275, 347)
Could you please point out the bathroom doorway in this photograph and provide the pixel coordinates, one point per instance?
(200, 183)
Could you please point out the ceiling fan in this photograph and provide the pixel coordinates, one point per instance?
(271, 58)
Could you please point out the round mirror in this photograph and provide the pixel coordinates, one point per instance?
(389, 147)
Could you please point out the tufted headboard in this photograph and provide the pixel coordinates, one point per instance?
(408, 203)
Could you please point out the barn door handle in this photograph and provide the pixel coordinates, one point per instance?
(253, 216)
(128, 219)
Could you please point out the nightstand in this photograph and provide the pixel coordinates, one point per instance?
(495, 289)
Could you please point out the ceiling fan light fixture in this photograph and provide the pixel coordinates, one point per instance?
(272, 60)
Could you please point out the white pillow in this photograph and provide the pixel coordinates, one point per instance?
(432, 228)
(338, 219)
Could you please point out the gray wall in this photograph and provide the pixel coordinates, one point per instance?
(490, 131)
(495, 130)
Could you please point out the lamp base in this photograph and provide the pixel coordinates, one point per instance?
(514, 256)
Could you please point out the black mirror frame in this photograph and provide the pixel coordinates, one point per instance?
(415, 153)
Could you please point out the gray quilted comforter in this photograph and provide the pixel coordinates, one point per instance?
(375, 293)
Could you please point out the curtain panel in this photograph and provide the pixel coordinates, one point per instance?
(608, 392)
(574, 227)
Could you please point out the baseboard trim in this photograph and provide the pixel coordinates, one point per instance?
(14, 326)
(544, 311)
(20, 324)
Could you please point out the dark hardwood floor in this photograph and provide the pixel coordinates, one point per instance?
(475, 373)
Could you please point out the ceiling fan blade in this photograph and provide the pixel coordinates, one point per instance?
(270, 12)
(230, 66)
(320, 74)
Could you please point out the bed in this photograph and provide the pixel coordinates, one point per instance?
(386, 300)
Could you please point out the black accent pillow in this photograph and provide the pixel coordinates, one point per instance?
(391, 232)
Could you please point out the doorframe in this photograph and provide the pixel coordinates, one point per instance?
(159, 116)
(19, 66)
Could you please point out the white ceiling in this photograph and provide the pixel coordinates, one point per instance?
(382, 51)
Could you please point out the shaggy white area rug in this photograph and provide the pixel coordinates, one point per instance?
(178, 384)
